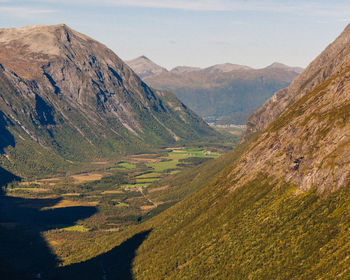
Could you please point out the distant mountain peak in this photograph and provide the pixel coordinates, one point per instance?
(143, 57)
(279, 65)
(225, 67)
(145, 67)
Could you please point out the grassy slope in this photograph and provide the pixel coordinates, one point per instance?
(257, 232)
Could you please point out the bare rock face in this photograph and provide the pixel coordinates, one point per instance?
(333, 60)
(62, 89)
(306, 127)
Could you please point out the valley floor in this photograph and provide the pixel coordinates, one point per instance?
(61, 215)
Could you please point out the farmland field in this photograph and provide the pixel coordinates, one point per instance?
(118, 191)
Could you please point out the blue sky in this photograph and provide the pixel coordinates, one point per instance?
(195, 33)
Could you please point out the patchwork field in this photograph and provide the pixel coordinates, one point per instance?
(120, 194)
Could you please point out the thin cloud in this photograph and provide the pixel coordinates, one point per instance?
(297, 7)
(301, 8)
(23, 11)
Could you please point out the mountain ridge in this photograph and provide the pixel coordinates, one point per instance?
(224, 93)
(77, 100)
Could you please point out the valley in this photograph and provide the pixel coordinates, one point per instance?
(118, 190)
(241, 173)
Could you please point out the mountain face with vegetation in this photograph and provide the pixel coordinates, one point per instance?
(67, 99)
(280, 208)
(332, 61)
(224, 93)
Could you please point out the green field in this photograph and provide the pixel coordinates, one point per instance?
(123, 165)
(78, 228)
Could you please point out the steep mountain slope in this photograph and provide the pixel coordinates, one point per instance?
(221, 94)
(331, 61)
(67, 99)
(145, 67)
(279, 210)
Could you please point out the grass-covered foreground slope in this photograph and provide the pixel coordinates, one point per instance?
(259, 231)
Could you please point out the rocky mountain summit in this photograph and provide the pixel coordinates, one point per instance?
(67, 98)
(144, 67)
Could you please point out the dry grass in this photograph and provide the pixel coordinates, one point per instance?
(158, 189)
(71, 194)
(69, 203)
(100, 162)
(87, 177)
(112, 192)
(146, 208)
(112, 229)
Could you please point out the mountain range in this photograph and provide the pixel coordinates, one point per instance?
(223, 93)
(67, 99)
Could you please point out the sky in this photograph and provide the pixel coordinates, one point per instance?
(195, 32)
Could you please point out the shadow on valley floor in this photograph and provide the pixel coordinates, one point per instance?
(113, 265)
(24, 254)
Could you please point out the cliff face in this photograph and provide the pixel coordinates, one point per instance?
(333, 60)
(76, 99)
